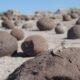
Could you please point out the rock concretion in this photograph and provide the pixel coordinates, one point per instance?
(66, 17)
(59, 29)
(17, 33)
(45, 24)
(8, 44)
(74, 32)
(34, 45)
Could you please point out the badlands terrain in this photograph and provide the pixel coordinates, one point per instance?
(54, 27)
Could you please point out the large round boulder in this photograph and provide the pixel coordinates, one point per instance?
(17, 33)
(45, 24)
(74, 32)
(34, 45)
(50, 66)
(8, 44)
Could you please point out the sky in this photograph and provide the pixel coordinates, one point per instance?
(29, 6)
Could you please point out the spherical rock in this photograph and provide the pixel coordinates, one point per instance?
(34, 45)
(8, 44)
(74, 15)
(66, 17)
(17, 33)
(50, 66)
(74, 32)
(45, 24)
(27, 25)
(7, 24)
(75, 10)
(59, 29)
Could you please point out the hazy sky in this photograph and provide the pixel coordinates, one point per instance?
(27, 6)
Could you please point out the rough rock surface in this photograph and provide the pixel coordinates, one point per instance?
(64, 65)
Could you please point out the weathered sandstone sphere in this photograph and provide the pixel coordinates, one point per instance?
(45, 24)
(34, 45)
(17, 33)
(66, 17)
(74, 32)
(7, 23)
(50, 66)
(59, 29)
(8, 44)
